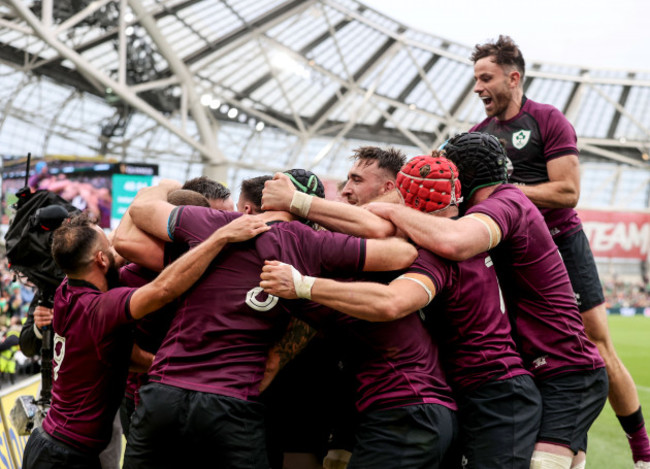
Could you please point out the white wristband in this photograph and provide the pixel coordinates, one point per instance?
(300, 204)
(419, 282)
(302, 284)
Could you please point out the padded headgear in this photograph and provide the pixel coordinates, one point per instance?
(306, 181)
(429, 183)
(480, 158)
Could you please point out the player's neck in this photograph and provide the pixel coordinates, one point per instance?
(97, 278)
(481, 194)
(514, 106)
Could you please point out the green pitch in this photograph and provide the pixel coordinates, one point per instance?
(608, 448)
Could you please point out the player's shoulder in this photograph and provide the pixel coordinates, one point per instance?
(193, 212)
(541, 109)
(133, 274)
(481, 125)
(296, 227)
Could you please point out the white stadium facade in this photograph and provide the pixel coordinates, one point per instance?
(238, 88)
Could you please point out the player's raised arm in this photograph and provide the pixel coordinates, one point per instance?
(364, 300)
(150, 209)
(280, 194)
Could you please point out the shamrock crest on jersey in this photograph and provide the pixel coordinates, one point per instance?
(520, 139)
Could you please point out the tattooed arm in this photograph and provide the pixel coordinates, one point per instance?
(295, 339)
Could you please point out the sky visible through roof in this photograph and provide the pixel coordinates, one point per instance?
(590, 33)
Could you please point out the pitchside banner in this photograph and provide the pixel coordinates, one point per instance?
(12, 445)
(620, 235)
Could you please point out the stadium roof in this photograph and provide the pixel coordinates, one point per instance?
(237, 87)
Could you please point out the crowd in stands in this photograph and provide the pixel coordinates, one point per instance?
(626, 294)
(15, 298)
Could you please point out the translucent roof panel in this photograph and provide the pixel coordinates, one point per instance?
(444, 84)
(597, 110)
(280, 82)
(306, 29)
(597, 185)
(634, 124)
(557, 69)
(554, 92)
(633, 190)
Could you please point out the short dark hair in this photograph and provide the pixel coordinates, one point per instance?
(505, 52)
(212, 190)
(187, 197)
(390, 159)
(73, 244)
(251, 190)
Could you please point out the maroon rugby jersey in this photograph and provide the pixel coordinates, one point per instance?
(537, 287)
(92, 349)
(536, 135)
(469, 317)
(395, 363)
(219, 338)
(150, 330)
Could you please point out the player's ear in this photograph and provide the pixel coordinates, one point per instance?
(389, 185)
(514, 77)
(101, 259)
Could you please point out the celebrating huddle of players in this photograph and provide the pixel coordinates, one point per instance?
(426, 320)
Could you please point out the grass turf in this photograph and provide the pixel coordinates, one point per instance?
(608, 447)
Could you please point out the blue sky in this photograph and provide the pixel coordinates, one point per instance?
(593, 33)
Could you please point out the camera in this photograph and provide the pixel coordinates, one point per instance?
(27, 414)
(28, 242)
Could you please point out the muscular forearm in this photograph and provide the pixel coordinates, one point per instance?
(295, 339)
(452, 239)
(150, 209)
(388, 254)
(349, 219)
(141, 360)
(552, 195)
(138, 246)
(280, 194)
(364, 300)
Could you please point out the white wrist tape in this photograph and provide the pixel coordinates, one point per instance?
(544, 460)
(302, 284)
(426, 289)
(300, 204)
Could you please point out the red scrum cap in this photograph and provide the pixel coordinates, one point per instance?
(429, 183)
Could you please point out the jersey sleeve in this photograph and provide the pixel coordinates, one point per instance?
(558, 135)
(336, 252)
(110, 311)
(505, 212)
(318, 253)
(432, 266)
